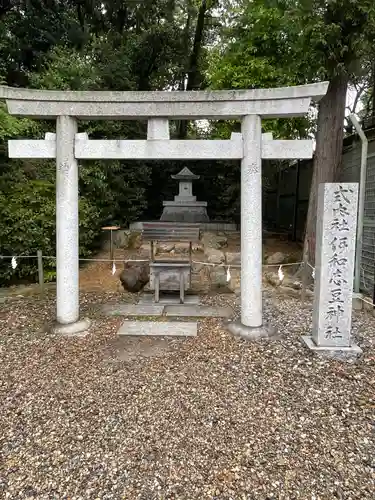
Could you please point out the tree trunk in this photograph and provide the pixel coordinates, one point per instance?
(328, 153)
(193, 70)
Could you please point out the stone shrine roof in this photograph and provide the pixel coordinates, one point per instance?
(185, 175)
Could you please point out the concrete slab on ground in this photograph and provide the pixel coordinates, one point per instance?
(168, 299)
(133, 310)
(198, 311)
(158, 328)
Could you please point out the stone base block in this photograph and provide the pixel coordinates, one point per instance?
(357, 302)
(353, 349)
(237, 329)
(159, 328)
(77, 329)
(184, 214)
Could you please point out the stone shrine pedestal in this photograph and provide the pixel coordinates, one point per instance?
(185, 207)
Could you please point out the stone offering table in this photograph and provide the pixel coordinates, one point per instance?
(170, 274)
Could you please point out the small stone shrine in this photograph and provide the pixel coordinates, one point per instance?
(185, 207)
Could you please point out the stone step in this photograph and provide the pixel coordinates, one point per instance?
(158, 328)
(148, 298)
(193, 310)
(132, 310)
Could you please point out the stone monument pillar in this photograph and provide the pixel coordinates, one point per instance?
(185, 207)
(334, 271)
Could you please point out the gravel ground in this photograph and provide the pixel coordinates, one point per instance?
(211, 417)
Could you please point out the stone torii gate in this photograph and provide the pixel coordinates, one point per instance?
(249, 146)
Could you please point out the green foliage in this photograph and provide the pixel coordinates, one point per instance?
(156, 44)
(27, 214)
(291, 42)
(65, 69)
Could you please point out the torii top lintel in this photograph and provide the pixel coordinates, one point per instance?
(222, 104)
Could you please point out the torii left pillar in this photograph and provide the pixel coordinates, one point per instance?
(67, 231)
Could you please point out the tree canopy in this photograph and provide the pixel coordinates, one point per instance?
(168, 44)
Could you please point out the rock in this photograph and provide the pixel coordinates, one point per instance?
(213, 240)
(197, 247)
(292, 292)
(235, 279)
(181, 248)
(277, 258)
(121, 238)
(218, 277)
(135, 239)
(145, 250)
(214, 256)
(273, 279)
(198, 267)
(165, 247)
(233, 258)
(135, 276)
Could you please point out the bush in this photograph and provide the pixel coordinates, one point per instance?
(27, 215)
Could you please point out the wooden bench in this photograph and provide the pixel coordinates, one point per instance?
(170, 274)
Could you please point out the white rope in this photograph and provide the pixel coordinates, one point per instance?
(366, 301)
(280, 274)
(239, 265)
(81, 260)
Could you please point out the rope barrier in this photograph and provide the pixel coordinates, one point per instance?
(209, 264)
(203, 263)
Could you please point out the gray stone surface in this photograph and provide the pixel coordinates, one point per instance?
(214, 240)
(158, 328)
(233, 258)
(184, 213)
(168, 299)
(251, 333)
(158, 128)
(357, 301)
(218, 276)
(277, 258)
(334, 260)
(203, 226)
(198, 311)
(353, 349)
(314, 90)
(274, 103)
(251, 222)
(169, 274)
(67, 234)
(77, 329)
(214, 256)
(132, 310)
(185, 207)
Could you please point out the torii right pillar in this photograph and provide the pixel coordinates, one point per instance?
(251, 222)
(255, 147)
(251, 325)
